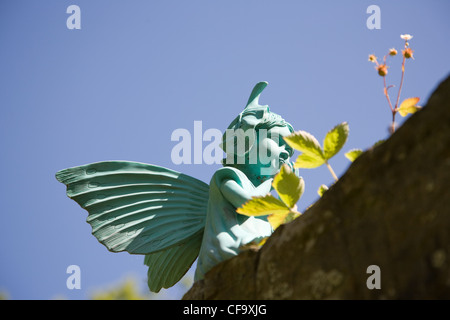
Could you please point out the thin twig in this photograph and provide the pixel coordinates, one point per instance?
(386, 93)
(331, 171)
(394, 111)
(401, 83)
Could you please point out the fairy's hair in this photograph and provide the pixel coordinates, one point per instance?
(253, 118)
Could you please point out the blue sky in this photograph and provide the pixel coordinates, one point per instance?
(137, 70)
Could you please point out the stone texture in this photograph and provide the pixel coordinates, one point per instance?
(391, 209)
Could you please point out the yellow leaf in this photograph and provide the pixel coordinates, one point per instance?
(322, 189)
(408, 106)
(288, 186)
(307, 161)
(305, 143)
(276, 220)
(353, 154)
(335, 140)
(262, 206)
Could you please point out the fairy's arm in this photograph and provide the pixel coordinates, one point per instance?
(237, 195)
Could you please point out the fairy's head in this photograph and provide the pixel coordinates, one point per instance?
(254, 140)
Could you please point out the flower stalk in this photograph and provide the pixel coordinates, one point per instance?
(382, 69)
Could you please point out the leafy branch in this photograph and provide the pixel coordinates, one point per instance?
(313, 155)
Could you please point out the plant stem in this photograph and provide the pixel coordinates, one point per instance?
(386, 94)
(401, 83)
(331, 171)
(394, 111)
(393, 122)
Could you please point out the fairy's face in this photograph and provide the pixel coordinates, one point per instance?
(272, 152)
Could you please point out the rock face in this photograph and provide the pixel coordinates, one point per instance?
(390, 209)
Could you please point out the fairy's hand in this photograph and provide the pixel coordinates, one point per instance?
(237, 196)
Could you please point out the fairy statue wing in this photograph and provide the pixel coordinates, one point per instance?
(167, 267)
(143, 209)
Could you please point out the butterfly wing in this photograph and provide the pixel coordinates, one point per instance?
(142, 209)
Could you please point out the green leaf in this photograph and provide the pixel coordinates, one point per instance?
(308, 162)
(291, 216)
(378, 143)
(262, 206)
(353, 154)
(335, 140)
(322, 190)
(305, 143)
(288, 185)
(408, 106)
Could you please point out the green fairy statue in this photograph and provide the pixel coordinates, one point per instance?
(173, 218)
